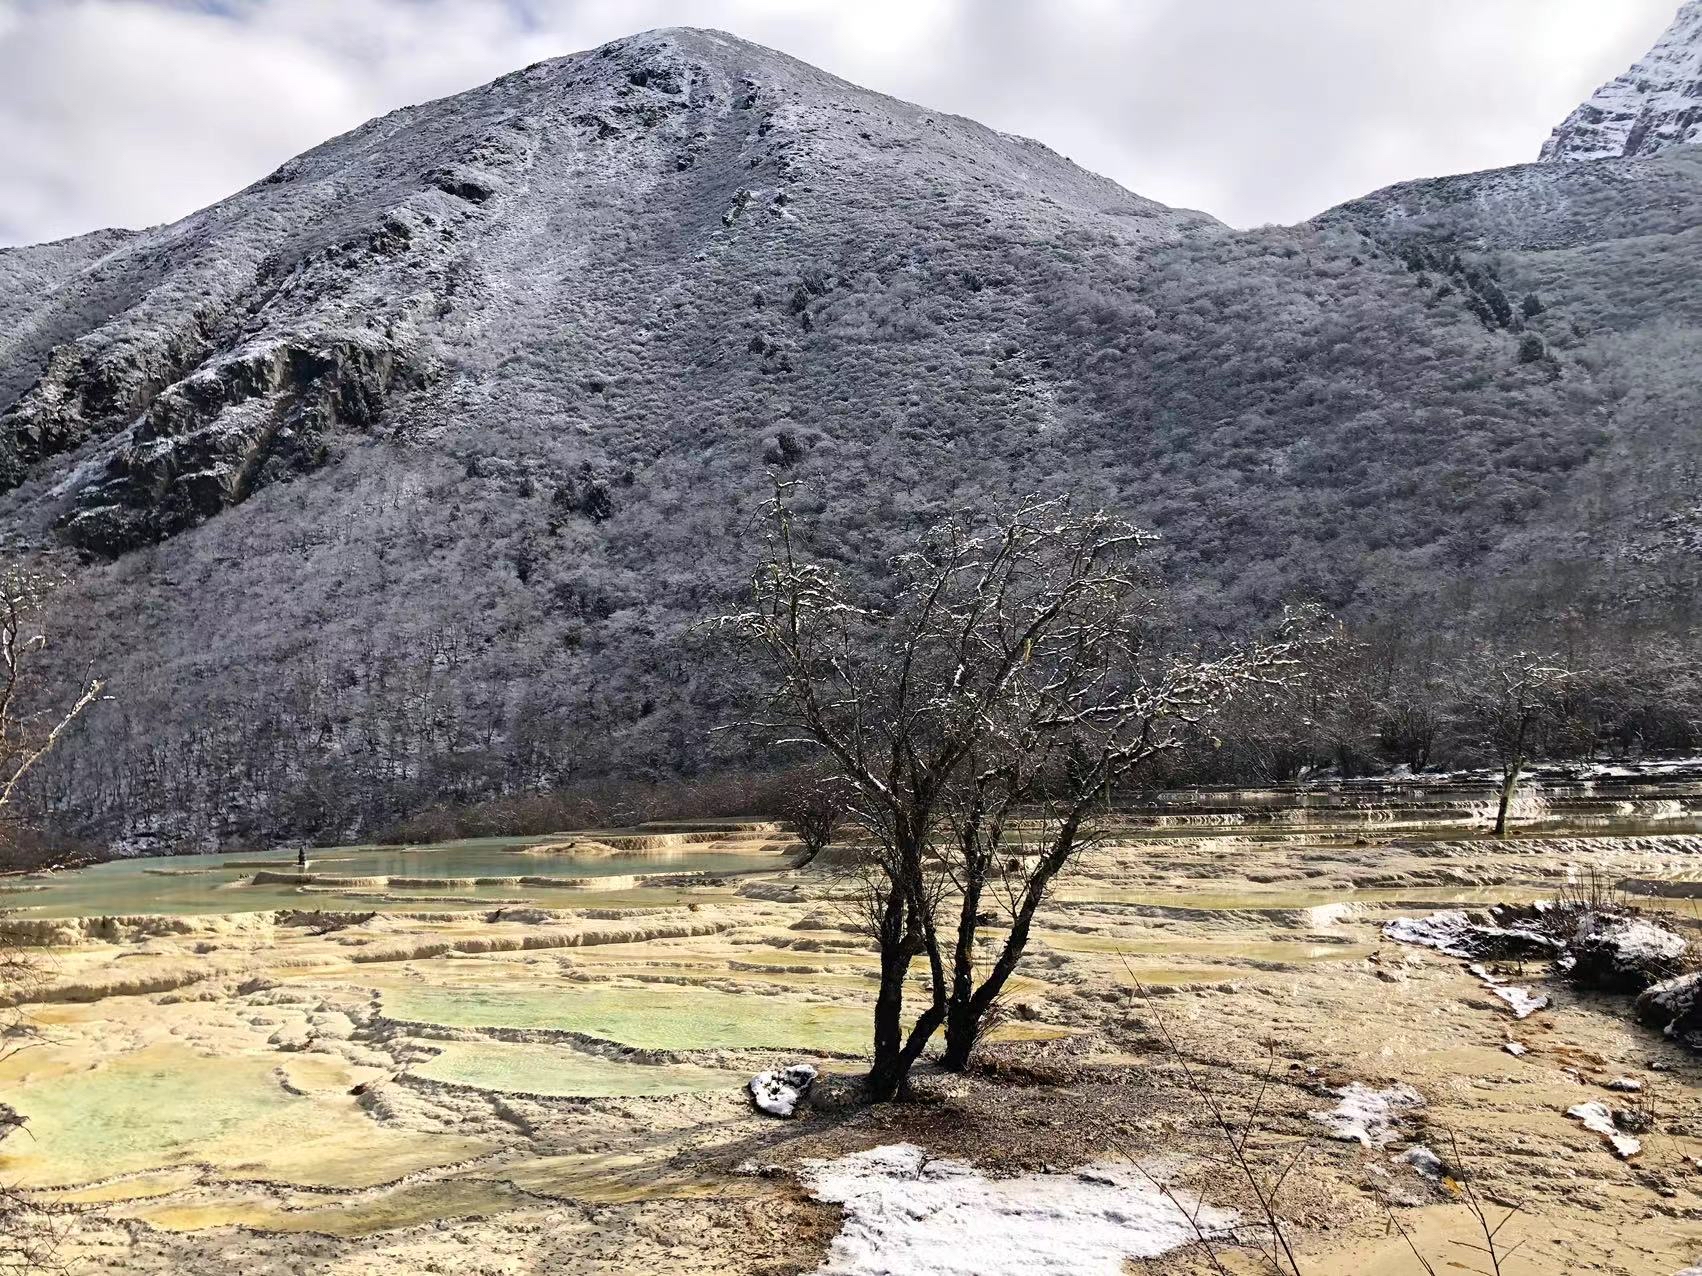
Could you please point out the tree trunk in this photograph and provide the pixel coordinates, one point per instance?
(1507, 786)
(964, 1015)
(961, 1021)
(884, 1076)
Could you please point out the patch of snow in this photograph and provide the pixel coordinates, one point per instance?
(1625, 1085)
(1596, 1117)
(1426, 1162)
(1366, 1116)
(779, 1092)
(1445, 932)
(907, 1213)
(1515, 1049)
(1523, 1002)
(1454, 934)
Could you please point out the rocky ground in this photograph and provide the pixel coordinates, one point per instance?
(560, 1090)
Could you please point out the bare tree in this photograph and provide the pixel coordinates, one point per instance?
(31, 724)
(1078, 725)
(1006, 663)
(814, 807)
(1511, 696)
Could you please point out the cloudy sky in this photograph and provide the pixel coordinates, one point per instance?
(132, 112)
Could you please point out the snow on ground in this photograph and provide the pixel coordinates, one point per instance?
(1522, 1001)
(1453, 933)
(905, 1213)
(1446, 932)
(1368, 1116)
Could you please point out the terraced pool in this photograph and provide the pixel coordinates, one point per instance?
(478, 873)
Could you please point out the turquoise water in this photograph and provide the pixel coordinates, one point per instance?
(184, 884)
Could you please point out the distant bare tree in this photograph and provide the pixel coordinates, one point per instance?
(1006, 662)
(1511, 695)
(813, 808)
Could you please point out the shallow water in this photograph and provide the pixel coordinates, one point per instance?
(167, 1105)
(1183, 898)
(401, 1207)
(561, 1071)
(195, 884)
(646, 1016)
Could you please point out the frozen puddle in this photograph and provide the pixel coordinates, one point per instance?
(906, 1213)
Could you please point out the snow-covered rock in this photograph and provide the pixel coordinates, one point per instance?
(1424, 1161)
(1655, 105)
(1623, 954)
(1675, 1007)
(1457, 934)
(907, 1213)
(780, 1091)
(1598, 1117)
(1367, 1116)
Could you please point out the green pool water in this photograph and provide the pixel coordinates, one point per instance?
(167, 1105)
(646, 1016)
(188, 884)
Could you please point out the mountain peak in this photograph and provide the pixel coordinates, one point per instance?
(1655, 105)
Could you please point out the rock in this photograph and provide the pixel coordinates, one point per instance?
(1424, 1161)
(1624, 1085)
(1674, 1006)
(1623, 954)
(780, 1091)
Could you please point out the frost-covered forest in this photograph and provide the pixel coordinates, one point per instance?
(400, 478)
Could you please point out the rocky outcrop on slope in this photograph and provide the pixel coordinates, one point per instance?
(210, 357)
(1654, 106)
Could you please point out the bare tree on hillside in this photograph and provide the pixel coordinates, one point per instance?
(1005, 663)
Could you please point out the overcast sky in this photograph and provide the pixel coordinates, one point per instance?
(132, 112)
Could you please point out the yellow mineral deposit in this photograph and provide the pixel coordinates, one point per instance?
(535, 1051)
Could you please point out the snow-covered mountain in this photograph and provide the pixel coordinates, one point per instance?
(1655, 105)
(402, 475)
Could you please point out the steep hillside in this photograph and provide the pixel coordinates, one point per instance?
(1655, 105)
(401, 475)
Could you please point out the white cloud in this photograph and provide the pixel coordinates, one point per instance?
(129, 112)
